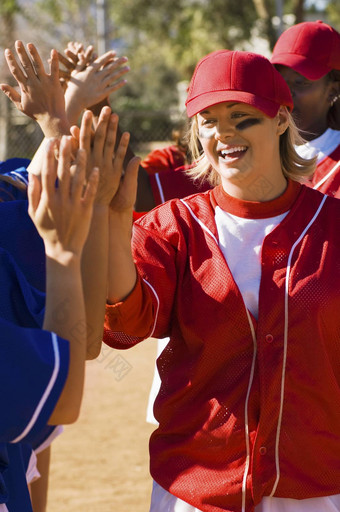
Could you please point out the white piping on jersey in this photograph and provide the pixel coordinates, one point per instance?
(203, 226)
(47, 390)
(156, 315)
(251, 377)
(278, 431)
(161, 193)
(246, 418)
(285, 345)
(327, 176)
(19, 177)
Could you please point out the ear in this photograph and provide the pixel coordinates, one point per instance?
(282, 120)
(333, 92)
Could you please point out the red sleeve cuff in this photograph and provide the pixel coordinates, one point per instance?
(129, 321)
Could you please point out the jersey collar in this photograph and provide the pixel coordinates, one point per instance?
(256, 209)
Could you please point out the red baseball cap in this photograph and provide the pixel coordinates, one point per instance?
(311, 48)
(243, 77)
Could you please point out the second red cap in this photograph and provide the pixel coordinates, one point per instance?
(311, 48)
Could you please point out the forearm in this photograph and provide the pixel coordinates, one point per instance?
(95, 275)
(65, 315)
(122, 271)
(39, 488)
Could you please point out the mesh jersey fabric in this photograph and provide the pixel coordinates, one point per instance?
(326, 177)
(185, 290)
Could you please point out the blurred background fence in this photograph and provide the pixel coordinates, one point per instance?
(21, 135)
(163, 41)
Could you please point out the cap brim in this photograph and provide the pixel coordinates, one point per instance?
(301, 64)
(203, 101)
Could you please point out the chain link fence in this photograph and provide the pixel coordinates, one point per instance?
(20, 136)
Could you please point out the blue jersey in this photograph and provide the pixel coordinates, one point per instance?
(21, 231)
(20, 238)
(33, 362)
(33, 371)
(16, 169)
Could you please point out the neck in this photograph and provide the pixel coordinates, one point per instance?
(313, 132)
(260, 190)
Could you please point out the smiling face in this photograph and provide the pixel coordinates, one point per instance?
(242, 144)
(312, 101)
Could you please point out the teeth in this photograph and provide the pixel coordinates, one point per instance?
(225, 152)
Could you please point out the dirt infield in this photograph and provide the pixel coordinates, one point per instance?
(101, 464)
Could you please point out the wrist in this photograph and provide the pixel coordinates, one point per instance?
(121, 219)
(53, 126)
(57, 255)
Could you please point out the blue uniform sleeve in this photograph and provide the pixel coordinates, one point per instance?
(11, 164)
(16, 188)
(19, 237)
(45, 437)
(14, 459)
(33, 370)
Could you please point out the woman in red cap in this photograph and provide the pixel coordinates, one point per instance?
(308, 57)
(244, 279)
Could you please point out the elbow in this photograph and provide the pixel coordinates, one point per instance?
(71, 417)
(64, 416)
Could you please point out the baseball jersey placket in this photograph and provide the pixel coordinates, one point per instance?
(273, 347)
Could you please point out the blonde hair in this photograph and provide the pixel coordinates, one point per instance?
(293, 165)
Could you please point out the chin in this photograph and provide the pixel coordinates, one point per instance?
(235, 175)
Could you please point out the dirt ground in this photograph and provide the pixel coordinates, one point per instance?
(101, 464)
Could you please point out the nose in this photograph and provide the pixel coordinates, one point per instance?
(223, 131)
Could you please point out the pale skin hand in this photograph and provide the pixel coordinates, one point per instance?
(100, 146)
(62, 216)
(40, 95)
(92, 81)
(78, 59)
(75, 58)
(122, 270)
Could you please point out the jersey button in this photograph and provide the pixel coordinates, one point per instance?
(263, 450)
(269, 338)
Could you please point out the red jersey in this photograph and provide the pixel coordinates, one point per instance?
(160, 165)
(174, 184)
(326, 177)
(247, 408)
(164, 159)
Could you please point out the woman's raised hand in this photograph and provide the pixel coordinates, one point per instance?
(62, 212)
(116, 187)
(40, 95)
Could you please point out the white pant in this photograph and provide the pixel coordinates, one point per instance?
(163, 501)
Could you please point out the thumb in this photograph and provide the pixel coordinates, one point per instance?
(11, 93)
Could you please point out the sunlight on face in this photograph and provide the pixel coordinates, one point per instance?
(242, 144)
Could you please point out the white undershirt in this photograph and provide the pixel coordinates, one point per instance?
(321, 147)
(241, 236)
